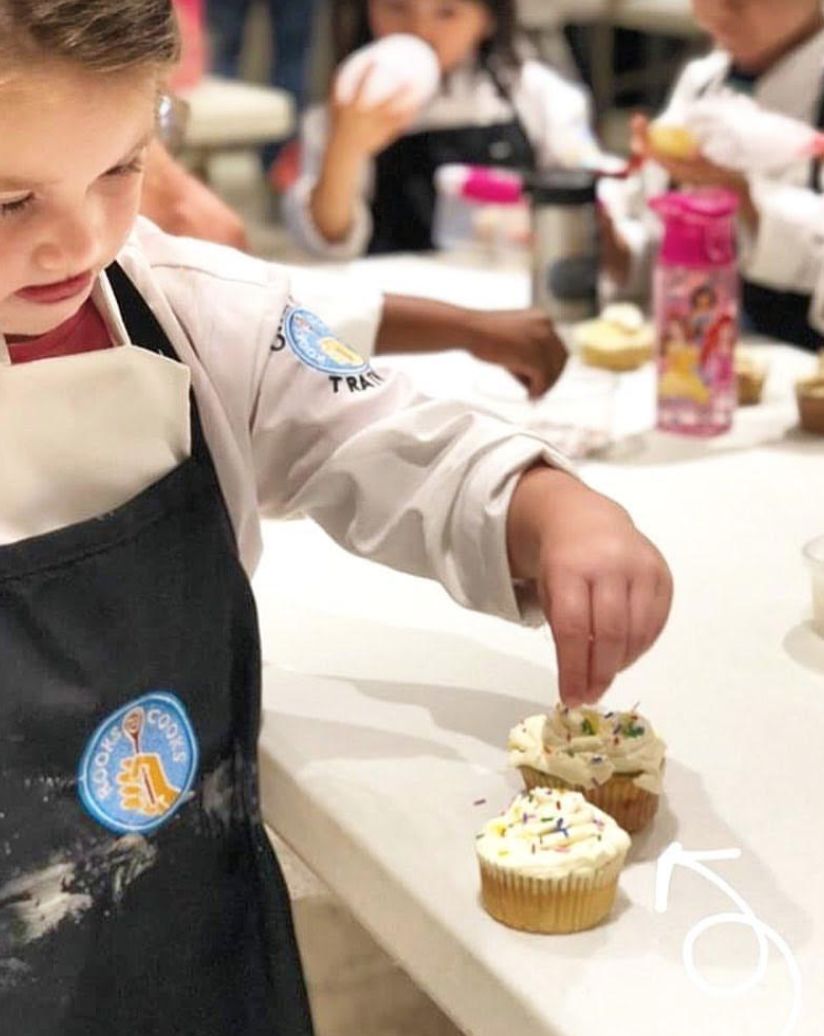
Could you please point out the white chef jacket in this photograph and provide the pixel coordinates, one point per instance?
(787, 252)
(553, 112)
(418, 484)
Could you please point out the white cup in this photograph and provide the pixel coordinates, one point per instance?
(814, 556)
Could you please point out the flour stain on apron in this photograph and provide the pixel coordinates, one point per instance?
(221, 805)
(36, 903)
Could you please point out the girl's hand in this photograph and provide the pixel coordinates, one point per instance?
(358, 131)
(525, 342)
(366, 129)
(695, 171)
(604, 588)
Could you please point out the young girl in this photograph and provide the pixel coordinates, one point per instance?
(775, 52)
(138, 892)
(367, 182)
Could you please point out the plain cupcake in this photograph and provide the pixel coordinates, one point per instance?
(618, 340)
(550, 863)
(615, 759)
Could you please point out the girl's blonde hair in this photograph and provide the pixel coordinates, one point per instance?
(99, 35)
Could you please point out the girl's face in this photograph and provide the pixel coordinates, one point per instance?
(454, 29)
(752, 30)
(70, 180)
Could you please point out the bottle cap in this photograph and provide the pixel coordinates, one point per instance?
(699, 226)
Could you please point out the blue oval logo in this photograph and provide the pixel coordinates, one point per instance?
(315, 345)
(139, 765)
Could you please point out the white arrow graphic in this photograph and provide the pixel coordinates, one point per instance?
(676, 855)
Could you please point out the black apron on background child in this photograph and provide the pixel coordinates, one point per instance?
(403, 201)
(786, 314)
(770, 311)
(138, 890)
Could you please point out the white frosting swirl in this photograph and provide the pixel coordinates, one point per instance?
(585, 747)
(551, 833)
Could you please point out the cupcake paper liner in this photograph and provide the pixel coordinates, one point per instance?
(630, 806)
(552, 906)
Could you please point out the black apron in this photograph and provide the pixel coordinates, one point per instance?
(130, 687)
(403, 203)
(769, 311)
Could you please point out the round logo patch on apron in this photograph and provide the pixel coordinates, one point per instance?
(315, 345)
(139, 765)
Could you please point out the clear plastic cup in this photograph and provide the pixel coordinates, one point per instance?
(814, 556)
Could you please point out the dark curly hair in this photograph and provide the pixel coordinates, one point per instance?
(350, 30)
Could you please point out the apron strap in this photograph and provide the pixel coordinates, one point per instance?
(146, 332)
(505, 94)
(141, 323)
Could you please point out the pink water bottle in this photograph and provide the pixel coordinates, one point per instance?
(696, 311)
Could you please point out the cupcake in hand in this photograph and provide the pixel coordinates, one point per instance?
(615, 759)
(550, 863)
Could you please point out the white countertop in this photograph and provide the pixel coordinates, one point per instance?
(387, 709)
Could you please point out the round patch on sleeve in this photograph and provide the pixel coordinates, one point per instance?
(139, 765)
(315, 345)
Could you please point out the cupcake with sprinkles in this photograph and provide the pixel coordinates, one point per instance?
(615, 759)
(550, 863)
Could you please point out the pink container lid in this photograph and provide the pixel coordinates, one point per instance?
(699, 227)
(492, 185)
(480, 183)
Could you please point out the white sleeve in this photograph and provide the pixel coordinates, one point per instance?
(355, 314)
(296, 209)
(555, 114)
(787, 252)
(421, 485)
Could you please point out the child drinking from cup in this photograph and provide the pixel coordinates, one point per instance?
(367, 182)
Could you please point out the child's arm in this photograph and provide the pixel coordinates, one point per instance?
(523, 341)
(359, 131)
(426, 486)
(604, 588)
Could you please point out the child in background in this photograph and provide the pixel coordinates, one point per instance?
(367, 180)
(524, 342)
(774, 52)
(138, 891)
